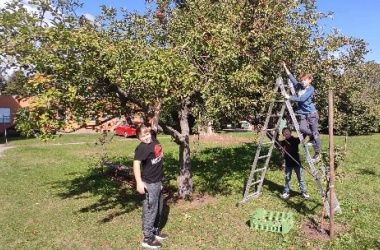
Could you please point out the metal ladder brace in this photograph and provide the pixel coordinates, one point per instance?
(258, 170)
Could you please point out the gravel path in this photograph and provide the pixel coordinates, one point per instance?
(3, 147)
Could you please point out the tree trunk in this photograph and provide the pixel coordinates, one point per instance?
(184, 181)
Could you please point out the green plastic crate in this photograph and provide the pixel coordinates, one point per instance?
(271, 221)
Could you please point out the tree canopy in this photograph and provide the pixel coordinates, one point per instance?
(214, 60)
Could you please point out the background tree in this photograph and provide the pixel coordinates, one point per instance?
(357, 100)
(14, 85)
(2, 84)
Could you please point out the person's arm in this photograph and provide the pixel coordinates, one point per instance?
(293, 80)
(287, 71)
(140, 186)
(298, 140)
(156, 116)
(286, 68)
(290, 76)
(309, 92)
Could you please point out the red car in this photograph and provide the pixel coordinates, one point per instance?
(125, 130)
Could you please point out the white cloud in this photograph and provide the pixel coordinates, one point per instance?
(2, 3)
(89, 17)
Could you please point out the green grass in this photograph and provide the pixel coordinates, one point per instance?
(54, 196)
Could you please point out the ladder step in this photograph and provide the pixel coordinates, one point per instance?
(263, 157)
(266, 143)
(270, 129)
(259, 170)
(250, 196)
(256, 182)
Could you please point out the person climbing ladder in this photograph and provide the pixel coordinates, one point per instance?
(305, 108)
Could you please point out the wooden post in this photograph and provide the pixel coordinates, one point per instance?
(332, 169)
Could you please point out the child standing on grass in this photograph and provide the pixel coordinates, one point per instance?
(148, 172)
(292, 161)
(307, 110)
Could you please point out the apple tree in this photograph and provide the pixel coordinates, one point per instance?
(219, 59)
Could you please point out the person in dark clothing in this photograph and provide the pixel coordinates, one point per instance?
(292, 161)
(306, 108)
(148, 172)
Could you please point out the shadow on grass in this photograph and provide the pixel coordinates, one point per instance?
(216, 171)
(11, 138)
(111, 194)
(299, 205)
(364, 171)
(224, 171)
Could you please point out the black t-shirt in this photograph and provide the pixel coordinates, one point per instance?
(150, 156)
(291, 147)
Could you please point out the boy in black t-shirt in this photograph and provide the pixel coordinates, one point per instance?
(148, 172)
(292, 161)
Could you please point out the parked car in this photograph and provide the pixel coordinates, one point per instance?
(125, 130)
(245, 125)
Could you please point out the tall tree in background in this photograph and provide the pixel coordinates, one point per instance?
(2, 84)
(14, 85)
(358, 100)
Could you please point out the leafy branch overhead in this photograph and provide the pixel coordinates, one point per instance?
(223, 55)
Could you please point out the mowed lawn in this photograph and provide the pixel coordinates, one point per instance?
(55, 196)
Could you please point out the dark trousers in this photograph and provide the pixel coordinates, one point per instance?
(309, 126)
(153, 202)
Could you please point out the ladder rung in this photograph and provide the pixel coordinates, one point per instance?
(259, 169)
(270, 129)
(256, 182)
(262, 157)
(252, 195)
(266, 143)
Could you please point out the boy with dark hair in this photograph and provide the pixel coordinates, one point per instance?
(292, 161)
(148, 172)
(306, 108)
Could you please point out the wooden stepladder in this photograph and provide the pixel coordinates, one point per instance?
(264, 149)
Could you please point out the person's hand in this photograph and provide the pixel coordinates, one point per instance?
(140, 187)
(286, 69)
(286, 96)
(158, 104)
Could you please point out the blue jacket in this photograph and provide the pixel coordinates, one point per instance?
(304, 98)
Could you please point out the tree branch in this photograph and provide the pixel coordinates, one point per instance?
(177, 136)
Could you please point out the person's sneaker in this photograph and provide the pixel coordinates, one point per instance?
(305, 195)
(159, 235)
(316, 157)
(151, 243)
(284, 195)
(311, 142)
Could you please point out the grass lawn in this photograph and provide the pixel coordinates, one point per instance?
(54, 196)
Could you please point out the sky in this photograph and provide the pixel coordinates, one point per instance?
(360, 19)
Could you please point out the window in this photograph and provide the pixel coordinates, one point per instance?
(5, 115)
